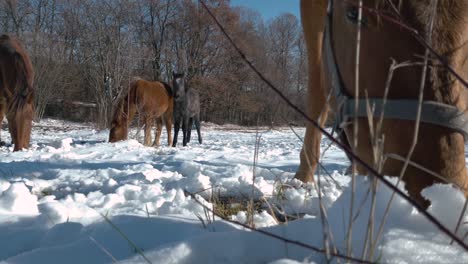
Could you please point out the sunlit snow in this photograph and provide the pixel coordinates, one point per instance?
(74, 198)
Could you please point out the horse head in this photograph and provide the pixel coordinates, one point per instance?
(381, 57)
(119, 126)
(20, 115)
(178, 83)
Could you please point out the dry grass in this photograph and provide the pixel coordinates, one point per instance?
(231, 206)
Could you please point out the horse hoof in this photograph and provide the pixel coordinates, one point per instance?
(349, 170)
(304, 177)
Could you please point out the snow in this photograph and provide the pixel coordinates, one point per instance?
(75, 198)
(17, 199)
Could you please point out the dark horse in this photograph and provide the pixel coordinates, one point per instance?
(186, 109)
(331, 40)
(153, 101)
(16, 91)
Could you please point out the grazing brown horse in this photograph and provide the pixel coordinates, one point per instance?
(16, 91)
(331, 39)
(153, 101)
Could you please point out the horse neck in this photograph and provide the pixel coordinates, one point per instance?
(129, 110)
(131, 101)
(126, 109)
(181, 100)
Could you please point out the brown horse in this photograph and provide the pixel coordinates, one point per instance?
(331, 39)
(153, 101)
(16, 91)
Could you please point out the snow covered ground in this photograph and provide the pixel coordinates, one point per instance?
(74, 198)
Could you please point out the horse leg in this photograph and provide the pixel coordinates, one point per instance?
(148, 125)
(158, 131)
(184, 130)
(2, 115)
(189, 129)
(313, 17)
(176, 131)
(197, 125)
(168, 120)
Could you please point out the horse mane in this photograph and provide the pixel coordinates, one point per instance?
(126, 97)
(448, 22)
(168, 89)
(6, 42)
(446, 37)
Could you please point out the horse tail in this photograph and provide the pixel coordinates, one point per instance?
(23, 92)
(168, 89)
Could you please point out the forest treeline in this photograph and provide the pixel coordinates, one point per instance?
(89, 50)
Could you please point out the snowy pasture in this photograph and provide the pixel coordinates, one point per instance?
(74, 198)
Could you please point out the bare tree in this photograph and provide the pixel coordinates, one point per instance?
(153, 21)
(107, 44)
(87, 50)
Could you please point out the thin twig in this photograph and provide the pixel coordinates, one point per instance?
(355, 129)
(103, 249)
(271, 209)
(323, 219)
(373, 136)
(251, 211)
(417, 120)
(378, 147)
(137, 249)
(420, 96)
(462, 214)
(422, 168)
(337, 184)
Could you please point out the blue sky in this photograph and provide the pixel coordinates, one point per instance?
(270, 8)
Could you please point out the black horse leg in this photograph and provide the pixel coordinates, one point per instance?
(184, 130)
(189, 129)
(197, 125)
(176, 132)
(2, 114)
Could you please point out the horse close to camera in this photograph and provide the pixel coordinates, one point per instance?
(186, 109)
(16, 91)
(332, 39)
(153, 101)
